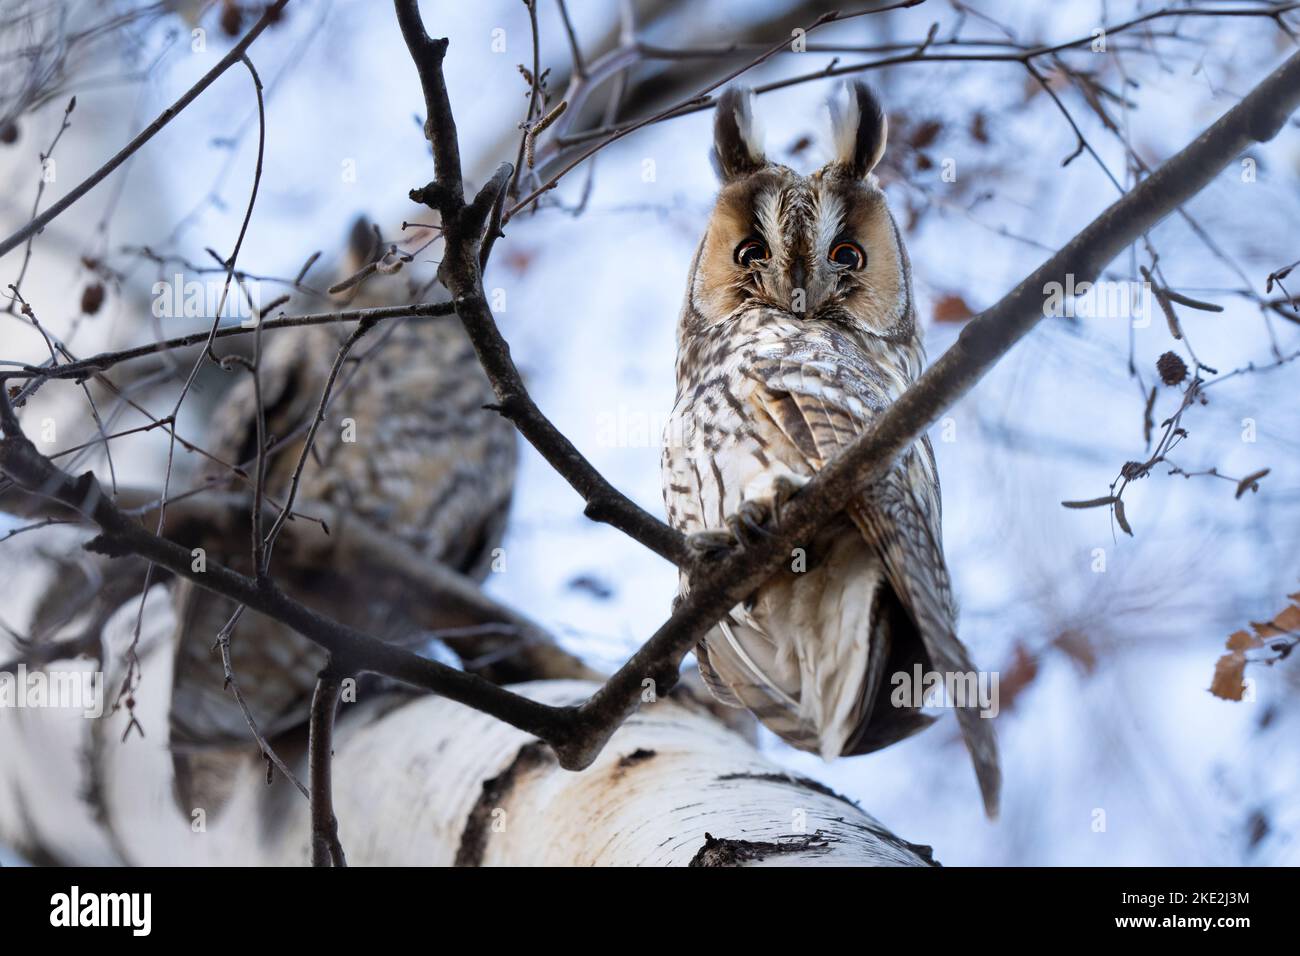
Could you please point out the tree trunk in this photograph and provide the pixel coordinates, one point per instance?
(420, 780)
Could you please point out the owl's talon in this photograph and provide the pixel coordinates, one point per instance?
(736, 531)
(783, 489)
(749, 525)
(711, 543)
(756, 518)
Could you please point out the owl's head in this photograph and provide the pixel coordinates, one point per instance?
(820, 247)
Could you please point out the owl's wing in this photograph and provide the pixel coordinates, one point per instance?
(905, 532)
(821, 403)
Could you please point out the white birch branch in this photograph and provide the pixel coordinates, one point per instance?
(421, 781)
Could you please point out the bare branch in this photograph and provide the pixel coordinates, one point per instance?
(232, 684)
(490, 638)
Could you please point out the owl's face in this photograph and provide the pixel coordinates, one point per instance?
(822, 247)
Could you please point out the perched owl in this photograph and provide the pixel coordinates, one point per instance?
(798, 328)
(406, 445)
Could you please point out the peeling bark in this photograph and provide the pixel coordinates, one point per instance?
(474, 838)
(717, 852)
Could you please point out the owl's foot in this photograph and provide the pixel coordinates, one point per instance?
(755, 520)
(744, 529)
(780, 490)
(710, 544)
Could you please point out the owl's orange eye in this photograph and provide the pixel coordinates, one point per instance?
(751, 251)
(848, 254)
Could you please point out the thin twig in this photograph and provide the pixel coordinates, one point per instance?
(232, 684)
(106, 360)
(326, 850)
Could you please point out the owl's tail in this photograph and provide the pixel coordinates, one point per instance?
(818, 660)
(811, 658)
(733, 677)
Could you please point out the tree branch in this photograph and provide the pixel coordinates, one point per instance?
(350, 648)
(490, 638)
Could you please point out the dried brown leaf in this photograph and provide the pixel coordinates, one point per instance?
(924, 134)
(1243, 641)
(1286, 623)
(1076, 646)
(92, 297)
(1289, 619)
(1016, 677)
(1228, 673)
(952, 308)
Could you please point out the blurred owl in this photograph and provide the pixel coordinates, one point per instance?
(798, 328)
(406, 445)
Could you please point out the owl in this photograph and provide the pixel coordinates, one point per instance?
(797, 330)
(406, 445)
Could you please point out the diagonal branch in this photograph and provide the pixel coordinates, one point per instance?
(351, 649)
(490, 638)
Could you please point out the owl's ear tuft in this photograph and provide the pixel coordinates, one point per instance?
(737, 137)
(859, 128)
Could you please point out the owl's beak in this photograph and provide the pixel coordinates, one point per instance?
(798, 286)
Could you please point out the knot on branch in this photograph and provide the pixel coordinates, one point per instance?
(110, 546)
(511, 407)
(664, 676)
(437, 197)
(85, 493)
(597, 509)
